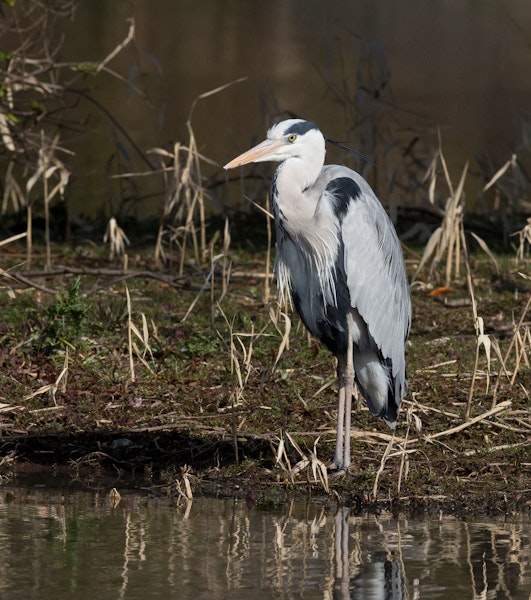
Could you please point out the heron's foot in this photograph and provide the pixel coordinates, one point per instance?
(336, 474)
(336, 470)
(333, 466)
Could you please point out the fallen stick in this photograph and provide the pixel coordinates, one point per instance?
(433, 436)
(118, 274)
(20, 279)
(497, 448)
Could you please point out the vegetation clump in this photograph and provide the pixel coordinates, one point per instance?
(63, 320)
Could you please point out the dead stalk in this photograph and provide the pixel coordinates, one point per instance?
(29, 235)
(267, 275)
(404, 460)
(183, 486)
(514, 343)
(238, 360)
(58, 385)
(116, 238)
(478, 326)
(48, 166)
(309, 464)
(284, 341)
(226, 264)
(184, 217)
(381, 468)
(209, 280)
(130, 337)
(13, 238)
(524, 239)
(224, 258)
(142, 335)
(446, 239)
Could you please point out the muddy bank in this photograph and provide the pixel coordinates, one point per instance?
(92, 384)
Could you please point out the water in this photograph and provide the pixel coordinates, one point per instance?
(60, 540)
(461, 66)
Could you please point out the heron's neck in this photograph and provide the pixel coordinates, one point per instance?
(311, 243)
(293, 181)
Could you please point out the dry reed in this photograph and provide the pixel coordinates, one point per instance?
(135, 334)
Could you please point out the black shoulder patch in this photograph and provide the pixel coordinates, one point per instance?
(343, 190)
(301, 128)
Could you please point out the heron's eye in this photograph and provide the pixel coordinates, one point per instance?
(292, 138)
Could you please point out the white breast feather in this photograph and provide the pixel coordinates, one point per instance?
(306, 259)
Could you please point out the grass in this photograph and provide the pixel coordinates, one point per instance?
(205, 392)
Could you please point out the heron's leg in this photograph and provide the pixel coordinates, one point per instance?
(337, 463)
(349, 385)
(345, 373)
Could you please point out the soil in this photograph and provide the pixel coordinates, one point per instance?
(171, 378)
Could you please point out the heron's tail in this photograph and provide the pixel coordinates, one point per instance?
(382, 391)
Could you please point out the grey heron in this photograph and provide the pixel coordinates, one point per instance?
(339, 260)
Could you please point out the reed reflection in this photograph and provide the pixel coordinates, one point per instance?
(134, 546)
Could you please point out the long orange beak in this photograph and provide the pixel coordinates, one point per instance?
(264, 151)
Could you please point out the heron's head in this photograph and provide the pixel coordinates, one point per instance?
(293, 138)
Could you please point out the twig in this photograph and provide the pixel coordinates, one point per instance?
(497, 448)
(130, 35)
(119, 274)
(382, 467)
(493, 411)
(26, 282)
(13, 238)
(194, 302)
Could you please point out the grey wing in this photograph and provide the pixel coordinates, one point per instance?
(376, 276)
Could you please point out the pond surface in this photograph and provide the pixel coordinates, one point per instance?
(60, 540)
(375, 74)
